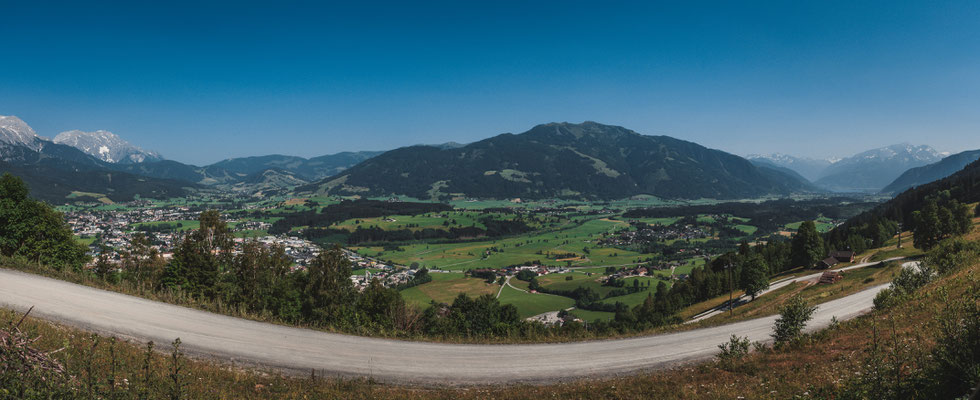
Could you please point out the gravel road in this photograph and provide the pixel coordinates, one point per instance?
(300, 350)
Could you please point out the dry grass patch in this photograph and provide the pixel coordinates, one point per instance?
(446, 291)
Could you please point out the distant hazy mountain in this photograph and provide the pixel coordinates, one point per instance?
(448, 145)
(872, 170)
(54, 171)
(267, 182)
(106, 146)
(169, 169)
(311, 169)
(587, 160)
(809, 168)
(932, 172)
(761, 163)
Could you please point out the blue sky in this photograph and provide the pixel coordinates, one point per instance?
(204, 81)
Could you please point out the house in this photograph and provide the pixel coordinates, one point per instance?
(827, 263)
(842, 256)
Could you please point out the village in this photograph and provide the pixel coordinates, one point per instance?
(646, 233)
(114, 230)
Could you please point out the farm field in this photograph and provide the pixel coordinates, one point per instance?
(445, 287)
(185, 225)
(823, 225)
(531, 304)
(543, 247)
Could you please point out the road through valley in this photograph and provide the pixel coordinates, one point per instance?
(300, 350)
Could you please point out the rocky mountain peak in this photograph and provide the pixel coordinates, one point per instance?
(106, 146)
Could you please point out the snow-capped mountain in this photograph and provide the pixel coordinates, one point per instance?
(903, 152)
(871, 170)
(106, 146)
(809, 168)
(14, 131)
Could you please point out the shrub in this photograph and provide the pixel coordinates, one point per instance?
(912, 278)
(792, 319)
(733, 351)
(956, 358)
(887, 298)
(950, 255)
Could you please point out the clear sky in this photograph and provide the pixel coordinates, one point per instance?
(203, 81)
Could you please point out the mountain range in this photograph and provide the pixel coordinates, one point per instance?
(928, 173)
(866, 172)
(106, 146)
(57, 172)
(101, 164)
(588, 160)
(809, 168)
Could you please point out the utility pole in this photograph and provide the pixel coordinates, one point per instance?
(731, 289)
(900, 235)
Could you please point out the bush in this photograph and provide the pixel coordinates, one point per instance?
(792, 319)
(956, 358)
(903, 365)
(912, 278)
(950, 255)
(887, 298)
(735, 350)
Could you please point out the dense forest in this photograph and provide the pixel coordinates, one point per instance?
(348, 209)
(769, 215)
(950, 193)
(373, 234)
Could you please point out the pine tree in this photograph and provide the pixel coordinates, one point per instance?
(928, 227)
(755, 275)
(807, 247)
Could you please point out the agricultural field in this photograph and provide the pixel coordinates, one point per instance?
(548, 248)
(445, 287)
(587, 237)
(531, 304)
(823, 225)
(182, 225)
(421, 221)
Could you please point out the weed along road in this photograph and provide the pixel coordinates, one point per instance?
(300, 350)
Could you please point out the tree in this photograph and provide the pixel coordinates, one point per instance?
(755, 275)
(103, 267)
(383, 308)
(142, 262)
(214, 235)
(935, 222)
(33, 230)
(856, 243)
(193, 269)
(793, 317)
(927, 226)
(252, 273)
(200, 257)
(962, 218)
(330, 294)
(807, 247)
